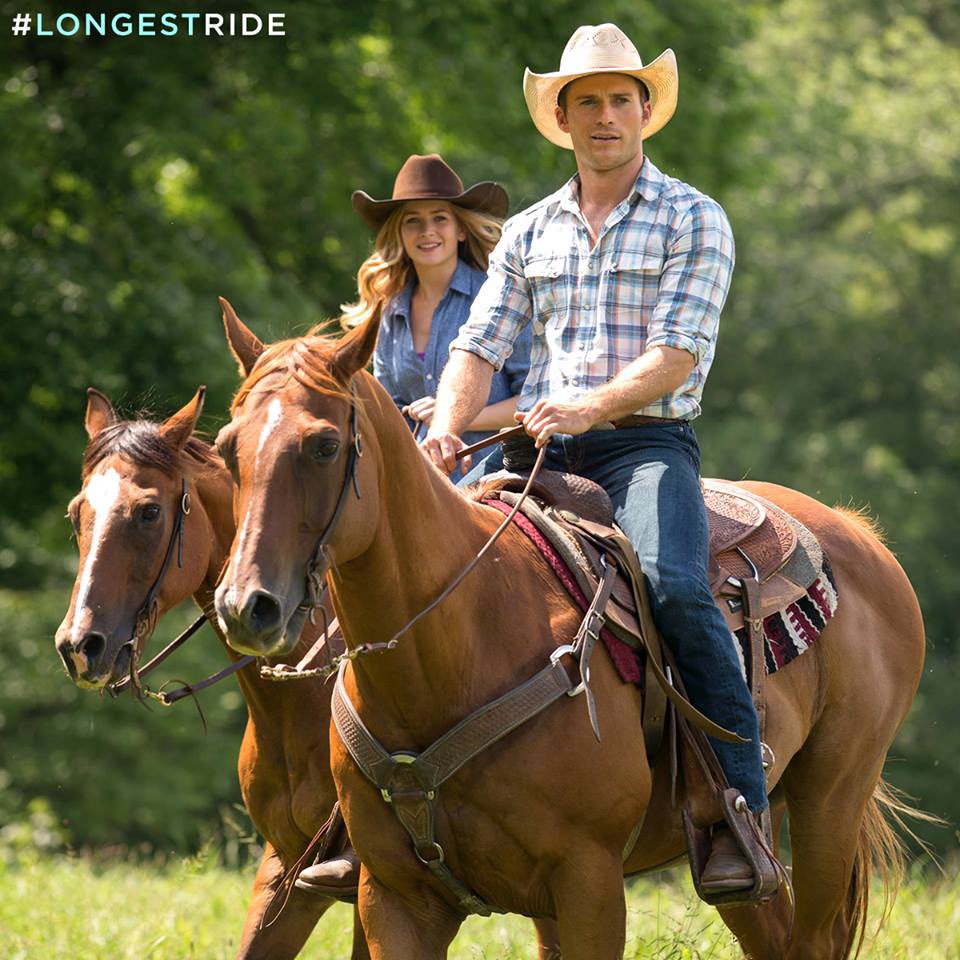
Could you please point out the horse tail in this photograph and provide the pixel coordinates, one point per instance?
(881, 851)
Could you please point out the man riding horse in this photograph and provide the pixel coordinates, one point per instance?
(623, 273)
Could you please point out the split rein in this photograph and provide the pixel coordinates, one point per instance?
(146, 617)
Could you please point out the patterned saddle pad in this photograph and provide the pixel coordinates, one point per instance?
(749, 536)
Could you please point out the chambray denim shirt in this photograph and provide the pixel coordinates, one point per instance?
(407, 378)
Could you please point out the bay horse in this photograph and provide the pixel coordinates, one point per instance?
(330, 479)
(123, 519)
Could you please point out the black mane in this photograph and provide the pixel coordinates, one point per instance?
(141, 442)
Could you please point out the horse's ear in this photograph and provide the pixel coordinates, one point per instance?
(100, 412)
(244, 344)
(179, 428)
(355, 348)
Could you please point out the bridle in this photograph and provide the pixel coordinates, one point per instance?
(319, 560)
(145, 619)
(316, 567)
(302, 670)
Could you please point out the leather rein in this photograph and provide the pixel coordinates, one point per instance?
(317, 565)
(145, 620)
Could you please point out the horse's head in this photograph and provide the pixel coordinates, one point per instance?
(142, 550)
(293, 447)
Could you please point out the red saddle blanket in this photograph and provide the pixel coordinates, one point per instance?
(788, 632)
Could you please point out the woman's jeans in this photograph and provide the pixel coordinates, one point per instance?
(652, 474)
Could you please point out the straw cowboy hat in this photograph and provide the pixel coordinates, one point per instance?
(602, 49)
(429, 178)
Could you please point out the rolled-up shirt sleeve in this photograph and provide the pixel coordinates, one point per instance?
(517, 365)
(501, 309)
(694, 282)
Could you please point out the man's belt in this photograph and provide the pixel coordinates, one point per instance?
(638, 420)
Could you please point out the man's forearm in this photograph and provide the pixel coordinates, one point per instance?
(463, 392)
(655, 373)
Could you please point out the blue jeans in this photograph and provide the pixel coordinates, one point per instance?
(652, 474)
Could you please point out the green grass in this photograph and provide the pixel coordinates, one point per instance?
(77, 909)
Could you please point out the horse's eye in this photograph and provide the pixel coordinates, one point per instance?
(325, 450)
(150, 512)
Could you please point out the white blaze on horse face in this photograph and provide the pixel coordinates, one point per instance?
(274, 411)
(101, 494)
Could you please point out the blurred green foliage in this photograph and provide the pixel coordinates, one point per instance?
(142, 178)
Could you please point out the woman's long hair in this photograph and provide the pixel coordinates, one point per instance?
(388, 269)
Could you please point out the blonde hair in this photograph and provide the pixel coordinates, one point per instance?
(388, 269)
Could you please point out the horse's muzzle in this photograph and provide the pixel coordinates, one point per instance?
(256, 627)
(86, 659)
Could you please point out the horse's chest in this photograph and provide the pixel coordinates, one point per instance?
(289, 796)
(483, 850)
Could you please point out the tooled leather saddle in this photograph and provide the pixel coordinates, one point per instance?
(761, 558)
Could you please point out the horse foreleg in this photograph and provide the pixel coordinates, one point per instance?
(548, 939)
(284, 938)
(591, 908)
(398, 927)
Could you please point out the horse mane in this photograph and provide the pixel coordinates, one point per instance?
(141, 442)
(308, 359)
(862, 517)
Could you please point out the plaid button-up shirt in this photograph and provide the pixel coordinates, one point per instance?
(658, 276)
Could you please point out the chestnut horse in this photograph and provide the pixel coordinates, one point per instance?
(538, 823)
(123, 518)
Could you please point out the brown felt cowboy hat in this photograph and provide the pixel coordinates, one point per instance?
(602, 49)
(429, 178)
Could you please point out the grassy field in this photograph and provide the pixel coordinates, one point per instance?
(73, 909)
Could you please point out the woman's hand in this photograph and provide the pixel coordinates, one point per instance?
(421, 409)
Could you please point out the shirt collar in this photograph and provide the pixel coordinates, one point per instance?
(649, 184)
(459, 282)
(400, 308)
(650, 181)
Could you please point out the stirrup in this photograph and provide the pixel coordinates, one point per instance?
(755, 847)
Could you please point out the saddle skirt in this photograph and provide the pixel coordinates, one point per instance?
(751, 539)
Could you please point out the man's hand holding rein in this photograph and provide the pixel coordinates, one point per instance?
(657, 371)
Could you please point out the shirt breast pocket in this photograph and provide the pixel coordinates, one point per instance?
(549, 290)
(637, 261)
(634, 281)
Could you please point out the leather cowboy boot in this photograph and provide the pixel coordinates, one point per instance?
(727, 869)
(337, 877)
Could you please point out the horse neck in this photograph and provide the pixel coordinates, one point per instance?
(427, 533)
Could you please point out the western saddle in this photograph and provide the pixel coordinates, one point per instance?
(761, 560)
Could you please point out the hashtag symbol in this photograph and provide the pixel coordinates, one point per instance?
(21, 24)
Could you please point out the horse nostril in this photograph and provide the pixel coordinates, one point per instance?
(92, 645)
(264, 612)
